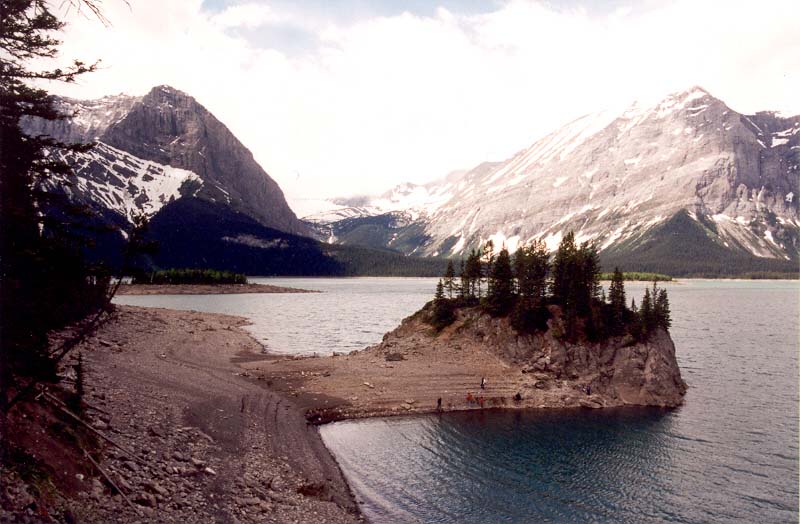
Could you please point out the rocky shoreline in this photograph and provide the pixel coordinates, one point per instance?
(207, 442)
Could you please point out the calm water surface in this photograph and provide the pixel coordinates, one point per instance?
(730, 454)
(350, 313)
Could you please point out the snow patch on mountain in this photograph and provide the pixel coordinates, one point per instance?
(417, 200)
(121, 182)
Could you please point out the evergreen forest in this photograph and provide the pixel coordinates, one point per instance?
(532, 285)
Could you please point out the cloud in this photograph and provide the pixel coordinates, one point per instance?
(247, 15)
(377, 100)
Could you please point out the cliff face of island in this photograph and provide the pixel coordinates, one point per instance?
(616, 371)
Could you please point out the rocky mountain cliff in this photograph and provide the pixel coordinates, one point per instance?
(687, 168)
(154, 149)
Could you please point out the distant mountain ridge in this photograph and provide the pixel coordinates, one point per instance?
(157, 148)
(621, 180)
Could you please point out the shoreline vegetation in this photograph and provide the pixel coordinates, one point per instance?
(189, 276)
(205, 289)
(635, 276)
(198, 282)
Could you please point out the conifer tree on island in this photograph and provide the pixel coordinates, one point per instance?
(519, 288)
(471, 275)
(442, 308)
(616, 294)
(449, 278)
(646, 313)
(500, 287)
(663, 316)
(531, 268)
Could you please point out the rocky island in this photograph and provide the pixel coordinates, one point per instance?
(414, 366)
(520, 349)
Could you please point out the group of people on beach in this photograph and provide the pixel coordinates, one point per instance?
(471, 399)
(480, 399)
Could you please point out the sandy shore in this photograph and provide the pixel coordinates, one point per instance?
(366, 384)
(216, 445)
(204, 289)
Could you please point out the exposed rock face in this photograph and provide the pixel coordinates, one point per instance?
(616, 372)
(615, 178)
(159, 147)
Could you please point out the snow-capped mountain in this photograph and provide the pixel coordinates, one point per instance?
(411, 199)
(620, 180)
(154, 149)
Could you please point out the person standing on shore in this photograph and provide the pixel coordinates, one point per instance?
(483, 382)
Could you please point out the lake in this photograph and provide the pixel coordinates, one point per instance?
(730, 454)
(350, 313)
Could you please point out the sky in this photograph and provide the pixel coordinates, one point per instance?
(351, 97)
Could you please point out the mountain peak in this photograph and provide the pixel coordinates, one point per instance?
(166, 89)
(695, 91)
(168, 94)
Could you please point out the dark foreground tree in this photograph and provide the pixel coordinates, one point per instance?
(44, 282)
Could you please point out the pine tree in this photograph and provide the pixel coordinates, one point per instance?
(586, 289)
(439, 295)
(463, 288)
(499, 295)
(449, 277)
(473, 270)
(45, 282)
(616, 294)
(586, 283)
(564, 269)
(663, 316)
(531, 267)
(647, 313)
(442, 308)
(575, 275)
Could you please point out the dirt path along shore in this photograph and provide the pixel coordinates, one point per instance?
(215, 445)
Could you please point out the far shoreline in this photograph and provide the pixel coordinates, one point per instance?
(205, 289)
